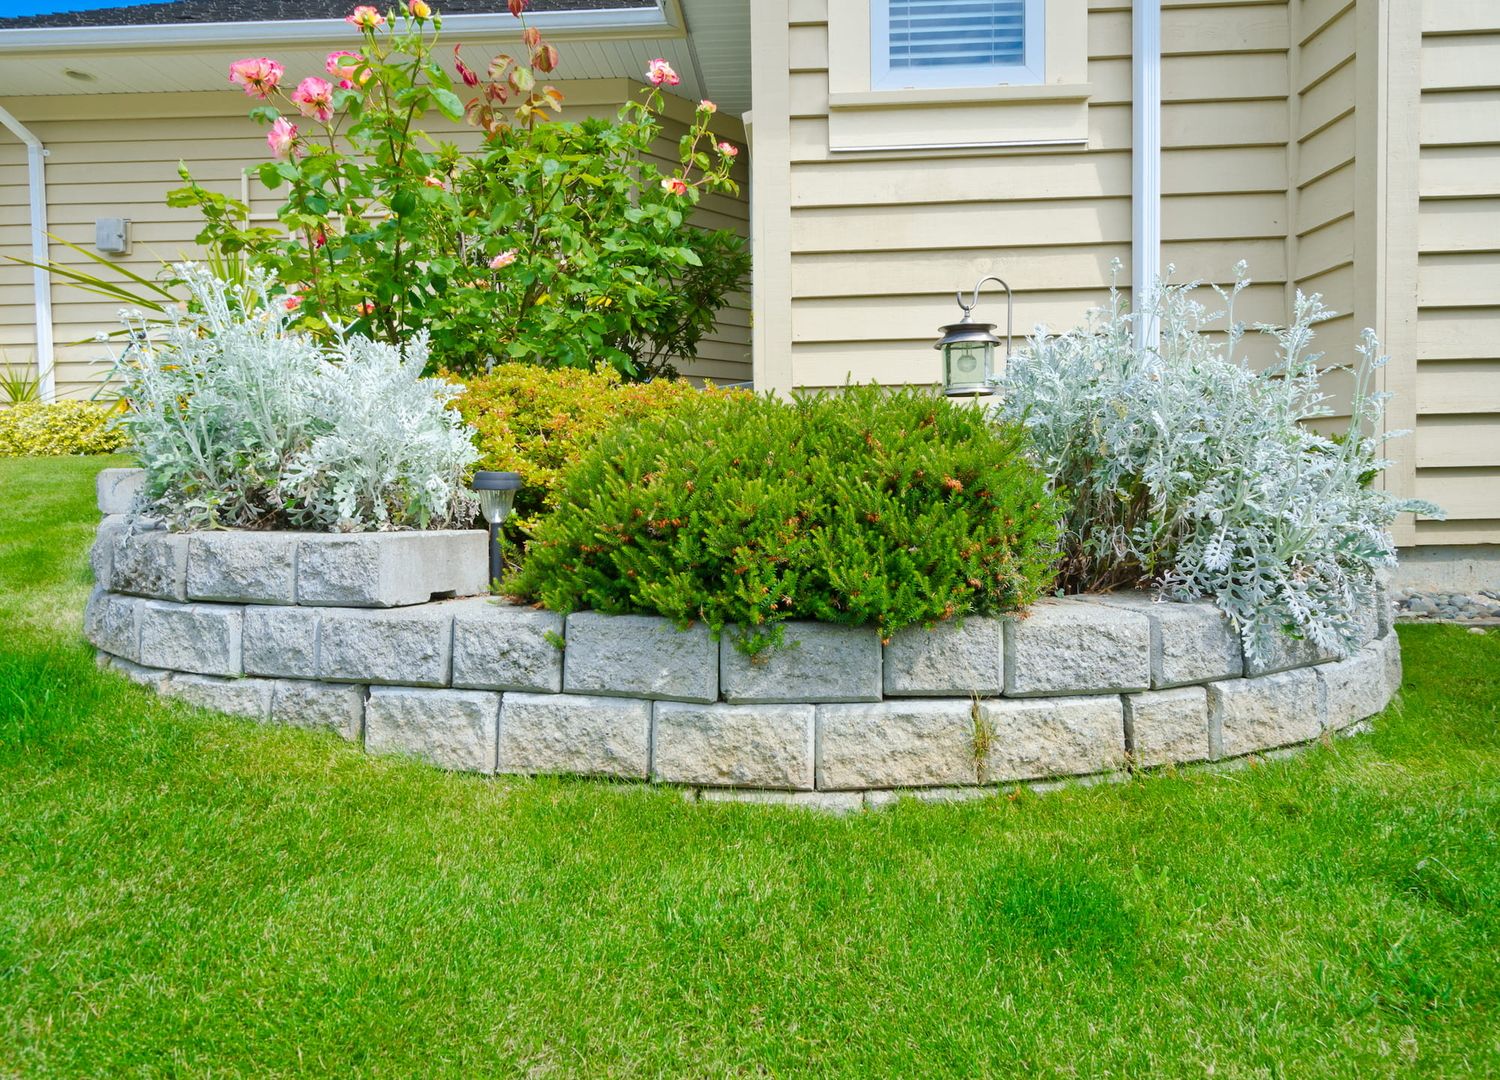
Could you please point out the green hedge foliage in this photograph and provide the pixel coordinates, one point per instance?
(46, 429)
(865, 508)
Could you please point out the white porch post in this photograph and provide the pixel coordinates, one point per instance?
(41, 280)
(1145, 170)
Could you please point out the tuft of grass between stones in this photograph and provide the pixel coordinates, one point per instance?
(183, 893)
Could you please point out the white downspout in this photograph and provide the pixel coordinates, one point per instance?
(41, 280)
(1145, 161)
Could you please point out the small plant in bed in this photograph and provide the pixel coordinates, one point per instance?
(864, 507)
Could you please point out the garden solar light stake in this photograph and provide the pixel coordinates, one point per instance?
(497, 495)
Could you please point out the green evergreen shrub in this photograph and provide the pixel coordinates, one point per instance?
(864, 508)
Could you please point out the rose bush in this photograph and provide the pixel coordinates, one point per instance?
(556, 242)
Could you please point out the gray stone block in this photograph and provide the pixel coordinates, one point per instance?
(1286, 653)
(1385, 610)
(1247, 716)
(950, 660)
(503, 646)
(762, 746)
(113, 623)
(1356, 688)
(115, 490)
(392, 569)
(575, 734)
(404, 646)
(640, 656)
(896, 744)
(828, 802)
(1391, 649)
(337, 707)
(1167, 727)
(1062, 736)
(1070, 647)
(237, 697)
(152, 678)
(203, 639)
(151, 563)
(242, 567)
(819, 662)
(102, 552)
(1367, 618)
(453, 729)
(1191, 641)
(281, 641)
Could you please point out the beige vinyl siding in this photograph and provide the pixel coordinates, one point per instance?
(117, 157)
(1458, 272)
(879, 241)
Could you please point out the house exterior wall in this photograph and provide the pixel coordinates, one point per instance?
(1289, 141)
(117, 157)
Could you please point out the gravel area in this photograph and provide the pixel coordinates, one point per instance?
(1473, 609)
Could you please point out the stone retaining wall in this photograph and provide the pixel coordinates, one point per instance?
(1084, 687)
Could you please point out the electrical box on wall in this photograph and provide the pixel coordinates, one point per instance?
(112, 235)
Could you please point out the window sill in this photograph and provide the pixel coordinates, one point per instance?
(976, 117)
(936, 97)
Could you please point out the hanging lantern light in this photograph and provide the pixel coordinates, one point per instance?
(497, 497)
(968, 347)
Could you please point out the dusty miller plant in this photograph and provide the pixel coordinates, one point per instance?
(240, 421)
(1190, 472)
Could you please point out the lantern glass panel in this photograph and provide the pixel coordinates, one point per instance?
(968, 366)
(496, 505)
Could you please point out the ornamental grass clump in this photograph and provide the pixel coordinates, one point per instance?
(241, 422)
(1187, 471)
(864, 508)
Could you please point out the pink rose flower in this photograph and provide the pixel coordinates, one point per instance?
(342, 71)
(258, 75)
(504, 259)
(365, 17)
(674, 185)
(659, 72)
(435, 182)
(281, 137)
(706, 106)
(314, 97)
(418, 10)
(729, 150)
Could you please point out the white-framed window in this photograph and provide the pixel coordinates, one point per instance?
(957, 43)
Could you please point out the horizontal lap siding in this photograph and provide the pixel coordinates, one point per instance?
(113, 157)
(1458, 273)
(879, 242)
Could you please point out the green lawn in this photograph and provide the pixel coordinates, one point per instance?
(183, 893)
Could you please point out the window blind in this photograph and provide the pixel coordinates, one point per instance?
(956, 33)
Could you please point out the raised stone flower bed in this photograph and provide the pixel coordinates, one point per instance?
(340, 632)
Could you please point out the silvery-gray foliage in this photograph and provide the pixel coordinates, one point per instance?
(240, 422)
(1190, 472)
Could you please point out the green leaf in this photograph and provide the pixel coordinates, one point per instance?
(448, 103)
(270, 175)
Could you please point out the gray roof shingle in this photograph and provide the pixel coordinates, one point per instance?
(173, 12)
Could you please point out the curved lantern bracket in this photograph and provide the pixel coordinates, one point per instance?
(968, 347)
(1010, 306)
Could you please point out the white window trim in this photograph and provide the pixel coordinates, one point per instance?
(1030, 72)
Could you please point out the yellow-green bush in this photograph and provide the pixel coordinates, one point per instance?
(42, 429)
(536, 422)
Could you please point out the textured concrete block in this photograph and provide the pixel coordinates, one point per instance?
(1191, 642)
(1250, 715)
(828, 802)
(116, 489)
(281, 641)
(819, 662)
(502, 646)
(575, 734)
(453, 729)
(152, 678)
(237, 697)
(1069, 647)
(947, 661)
(405, 646)
(1063, 736)
(392, 569)
(640, 656)
(151, 563)
(893, 744)
(1167, 726)
(200, 638)
(337, 707)
(1286, 653)
(764, 746)
(1391, 649)
(1385, 609)
(1356, 688)
(1368, 620)
(102, 552)
(242, 567)
(113, 623)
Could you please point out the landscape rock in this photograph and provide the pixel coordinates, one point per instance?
(1072, 647)
(1356, 688)
(113, 623)
(1191, 641)
(1167, 726)
(765, 746)
(281, 641)
(453, 729)
(242, 567)
(401, 646)
(151, 678)
(1037, 738)
(391, 569)
(236, 697)
(502, 646)
(829, 802)
(896, 744)
(102, 551)
(950, 660)
(152, 563)
(819, 662)
(575, 734)
(116, 490)
(1247, 716)
(336, 707)
(640, 656)
(1286, 653)
(203, 639)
